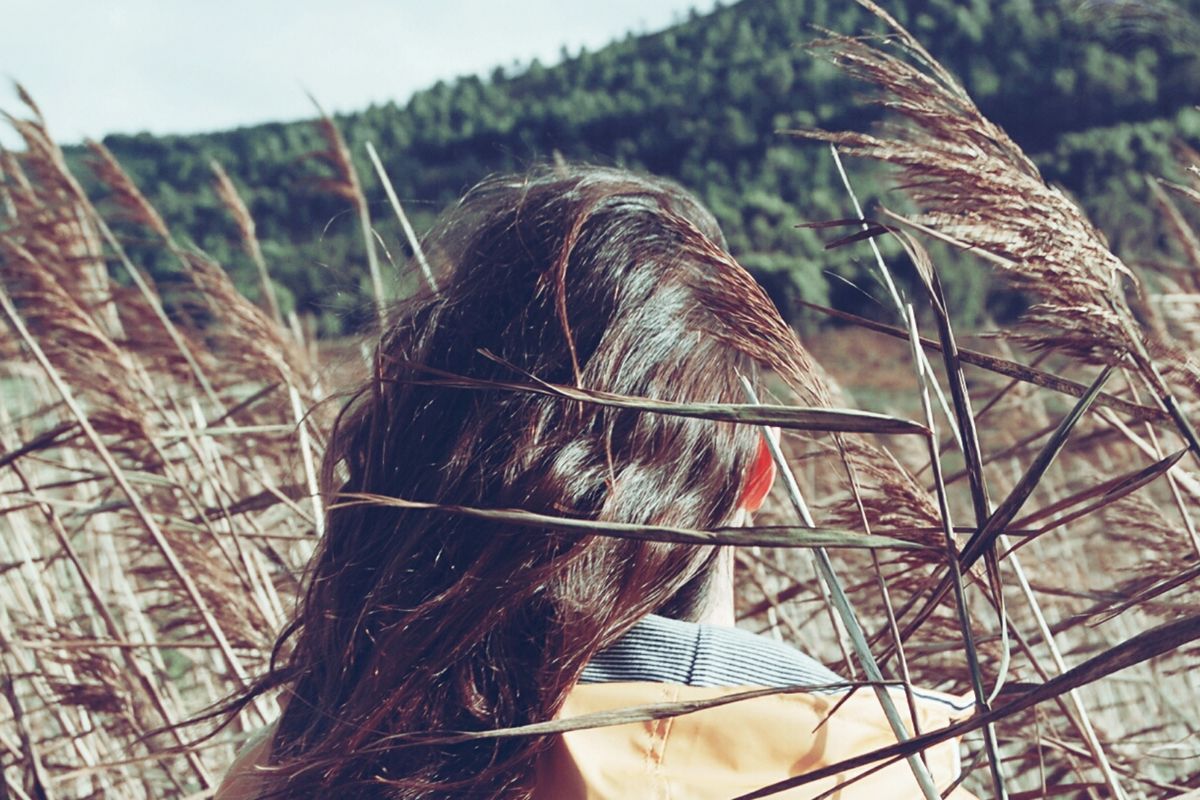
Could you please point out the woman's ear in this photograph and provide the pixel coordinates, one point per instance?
(760, 479)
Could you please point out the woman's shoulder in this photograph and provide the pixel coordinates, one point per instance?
(731, 741)
(244, 779)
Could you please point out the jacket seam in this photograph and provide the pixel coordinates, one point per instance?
(697, 647)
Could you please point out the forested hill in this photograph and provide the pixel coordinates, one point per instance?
(1096, 92)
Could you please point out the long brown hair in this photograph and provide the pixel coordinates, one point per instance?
(422, 621)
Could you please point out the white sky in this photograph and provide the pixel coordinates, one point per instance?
(184, 66)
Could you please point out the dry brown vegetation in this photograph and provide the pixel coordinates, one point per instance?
(1030, 533)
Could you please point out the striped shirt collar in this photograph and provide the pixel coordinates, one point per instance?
(661, 650)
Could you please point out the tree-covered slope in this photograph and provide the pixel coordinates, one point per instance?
(1096, 92)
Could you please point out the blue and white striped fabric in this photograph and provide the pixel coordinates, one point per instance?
(662, 650)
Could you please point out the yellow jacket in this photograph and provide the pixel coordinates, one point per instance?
(720, 752)
(714, 754)
(729, 750)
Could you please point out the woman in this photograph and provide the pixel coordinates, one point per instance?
(425, 621)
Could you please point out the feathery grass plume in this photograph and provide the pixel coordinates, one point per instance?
(886, 496)
(977, 188)
(229, 196)
(239, 333)
(54, 198)
(134, 207)
(246, 333)
(344, 183)
(56, 227)
(45, 253)
(1140, 522)
(73, 341)
(1177, 308)
(14, 186)
(43, 157)
(127, 196)
(1160, 580)
(93, 680)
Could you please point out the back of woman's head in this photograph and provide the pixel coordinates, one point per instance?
(420, 620)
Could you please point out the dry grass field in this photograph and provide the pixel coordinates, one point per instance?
(1025, 536)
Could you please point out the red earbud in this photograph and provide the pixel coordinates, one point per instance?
(760, 479)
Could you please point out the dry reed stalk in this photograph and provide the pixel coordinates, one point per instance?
(409, 233)
(846, 613)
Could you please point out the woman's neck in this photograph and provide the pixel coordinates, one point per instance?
(719, 610)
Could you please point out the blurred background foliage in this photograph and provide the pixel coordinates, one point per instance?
(1097, 92)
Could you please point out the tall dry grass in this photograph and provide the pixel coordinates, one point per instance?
(1017, 526)
(158, 467)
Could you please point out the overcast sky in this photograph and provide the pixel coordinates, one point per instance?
(183, 66)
